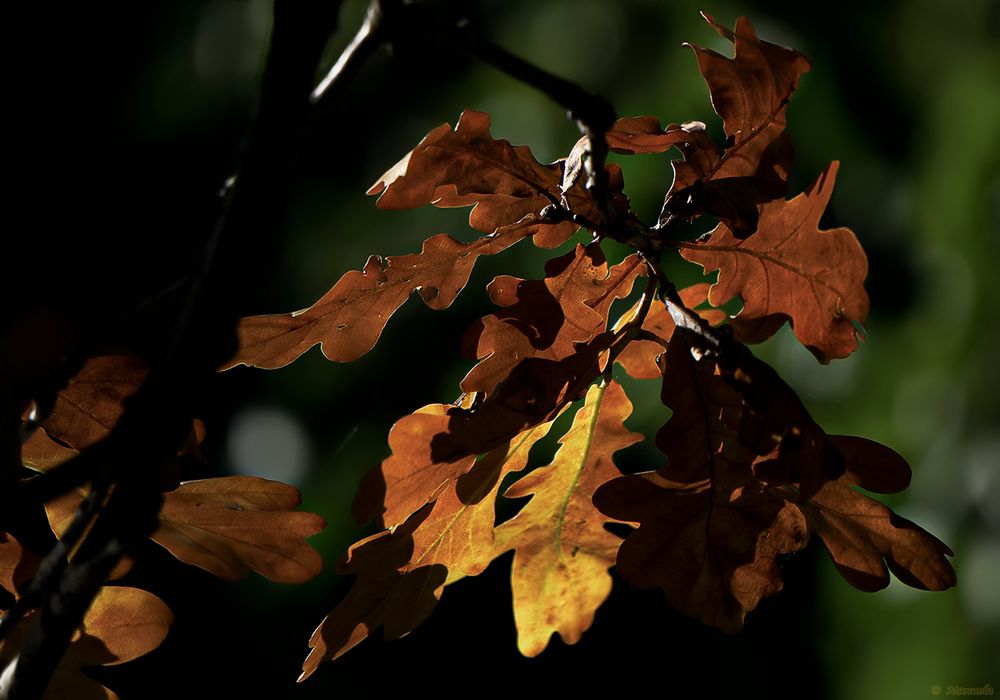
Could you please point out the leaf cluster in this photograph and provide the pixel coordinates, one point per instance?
(746, 476)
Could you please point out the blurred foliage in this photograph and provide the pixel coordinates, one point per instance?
(146, 118)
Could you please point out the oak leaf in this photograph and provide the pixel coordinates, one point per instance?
(348, 320)
(712, 550)
(122, 624)
(791, 269)
(230, 526)
(638, 358)
(866, 539)
(468, 166)
(402, 571)
(631, 135)
(750, 92)
(539, 353)
(562, 550)
(90, 404)
(17, 564)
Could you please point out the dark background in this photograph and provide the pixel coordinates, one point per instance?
(125, 121)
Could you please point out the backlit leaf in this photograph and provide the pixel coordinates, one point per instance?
(791, 269)
(230, 526)
(562, 550)
(401, 572)
(750, 92)
(122, 624)
(468, 166)
(348, 320)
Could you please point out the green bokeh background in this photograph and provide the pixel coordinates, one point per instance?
(905, 94)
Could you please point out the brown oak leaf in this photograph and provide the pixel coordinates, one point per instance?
(91, 403)
(791, 269)
(537, 354)
(228, 526)
(562, 550)
(348, 320)
(712, 550)
(866, 539)
(468, 166)
(232, 525)
(750, 92)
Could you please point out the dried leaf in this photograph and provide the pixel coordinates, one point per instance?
(630, 135)
(468, 166)
(230, 526)
(61, 511)
(402, 571)
(88, 407)
(539, 359)
(122, 624)
(348, 320)
(750, 92)
(545, 318)
(562, 551)
(865, 539)
(538, 354)
(41, 452)
(792, 269)
(711, 550)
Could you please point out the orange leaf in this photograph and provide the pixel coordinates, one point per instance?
(751, 90)
(88, 407)
(402, 571)
(534, 362)
(230, 526)
(122, 624)
(631, 135)
(790, 268)
(545, 318)
(348, 320)
(562, 551)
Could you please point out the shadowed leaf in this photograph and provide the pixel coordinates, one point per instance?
(17, 564)
(866, 539)
(401, 572)
(88, 407)
(639, 356)
(535, 359)
(122, 624)
(711, 550)
(750, 92)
